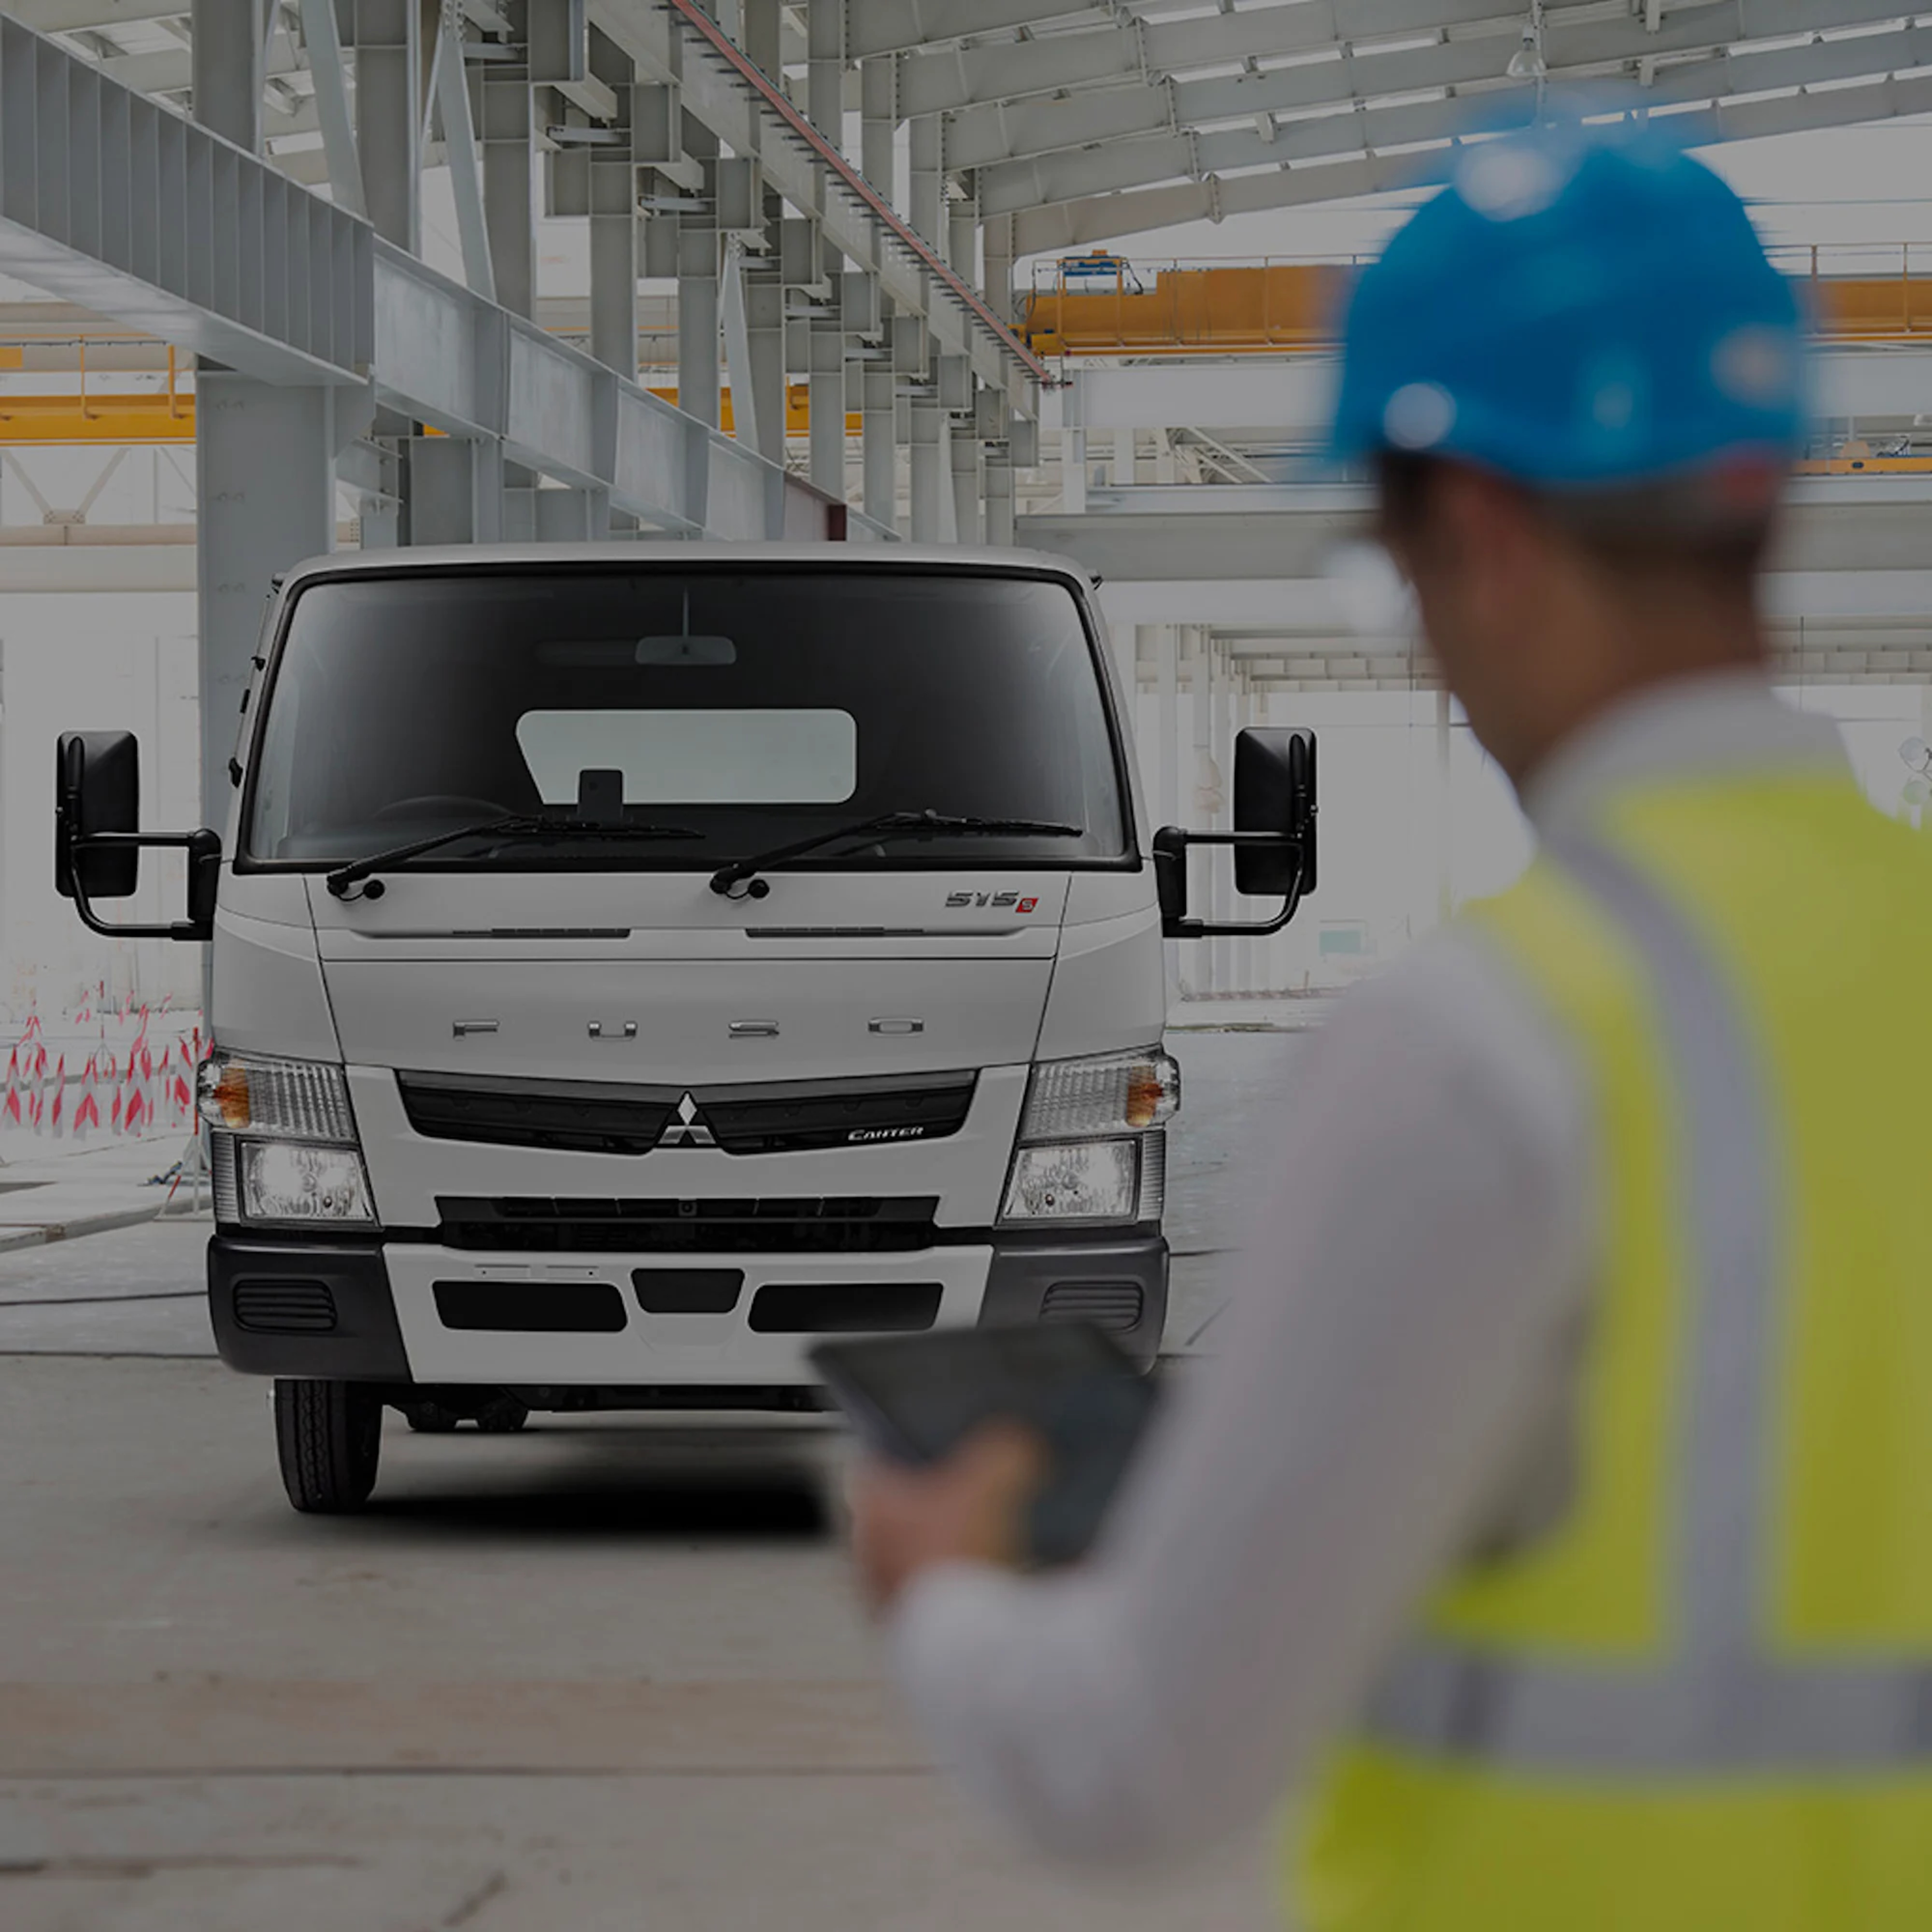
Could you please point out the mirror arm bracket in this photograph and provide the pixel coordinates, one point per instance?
(204, 851)
(1170, 858)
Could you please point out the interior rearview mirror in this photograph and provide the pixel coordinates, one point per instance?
(1274, 791)
(96, 789)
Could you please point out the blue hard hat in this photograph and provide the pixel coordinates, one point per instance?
(1580, 306)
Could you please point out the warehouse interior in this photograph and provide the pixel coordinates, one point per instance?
(286, 279)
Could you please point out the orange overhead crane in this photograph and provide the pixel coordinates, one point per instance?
(142, 416)
(1102, 304)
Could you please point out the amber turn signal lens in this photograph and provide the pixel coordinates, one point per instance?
(227, 1104)
(1143, 1097)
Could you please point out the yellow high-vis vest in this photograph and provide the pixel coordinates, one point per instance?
(1701, 1701)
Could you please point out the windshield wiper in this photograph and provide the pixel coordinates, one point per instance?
(927, 824)
(512, 825)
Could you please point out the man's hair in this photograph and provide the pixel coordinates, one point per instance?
(1718, 521)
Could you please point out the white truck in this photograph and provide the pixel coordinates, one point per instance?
(630, 963)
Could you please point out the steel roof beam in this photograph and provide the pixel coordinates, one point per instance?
(1106, 218)
(1081, 176)
(1585, 36)
(874, 27)
(76, 16)
(987, 137)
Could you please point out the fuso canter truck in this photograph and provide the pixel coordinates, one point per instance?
(632, 962)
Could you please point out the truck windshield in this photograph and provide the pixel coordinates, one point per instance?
(754, 706)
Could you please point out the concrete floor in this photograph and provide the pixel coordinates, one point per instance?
(599, 1675)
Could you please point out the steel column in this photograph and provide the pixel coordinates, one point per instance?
(1167, 799)
(879, 125)
(265, 476)
(928, 207)
(962, 236)
(1200, 671)
(228, 69)
(763, 40)
(998, 246)
(999, 487)
(509, 208)
(388, 116)
(827, 464)
(764, 329)
(825, 68)
(697, 337)
(747, 423)
(519, 504)
(613, 223)
(877, 424)
(572, 516)
(930, 477)
(455, 490)
(459, 143)
(964, 456)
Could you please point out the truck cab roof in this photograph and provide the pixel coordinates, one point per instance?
(673, 555)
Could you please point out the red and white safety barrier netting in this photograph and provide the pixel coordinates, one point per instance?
(105, 1067)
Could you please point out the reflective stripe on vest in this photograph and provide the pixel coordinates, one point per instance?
(1721, 1701)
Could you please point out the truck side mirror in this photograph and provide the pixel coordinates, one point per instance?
(96, 789)
(97, 836)
(1274, 791)
(1273, 837)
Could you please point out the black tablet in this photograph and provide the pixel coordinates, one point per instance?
(914, 1398)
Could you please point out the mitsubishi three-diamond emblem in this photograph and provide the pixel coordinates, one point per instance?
(686, 1128)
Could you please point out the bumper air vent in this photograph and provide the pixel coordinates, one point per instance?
(811, 1225)
(269, 1306)
(1107, 1304)
(794, 1116)
(532, 1307)
(837, 1307)
(576, 1116)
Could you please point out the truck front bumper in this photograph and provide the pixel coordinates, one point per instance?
(408, 1312)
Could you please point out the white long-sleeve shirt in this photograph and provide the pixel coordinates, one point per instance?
(1399, 1344)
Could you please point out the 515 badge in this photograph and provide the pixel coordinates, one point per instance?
(1011, 901)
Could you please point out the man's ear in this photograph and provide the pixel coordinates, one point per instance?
(1491, 528)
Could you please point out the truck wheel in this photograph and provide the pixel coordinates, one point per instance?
(502, 1415)
(329, 1437)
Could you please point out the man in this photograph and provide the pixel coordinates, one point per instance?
(1555, 1523)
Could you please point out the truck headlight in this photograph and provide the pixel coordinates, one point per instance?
(295, 1180)
(285, 1150)
(1090, 1144)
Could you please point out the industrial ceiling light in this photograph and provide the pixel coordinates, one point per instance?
(1528, 63)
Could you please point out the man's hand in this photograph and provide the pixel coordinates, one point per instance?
(968, 1509)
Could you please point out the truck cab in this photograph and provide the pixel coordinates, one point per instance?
(631, 963)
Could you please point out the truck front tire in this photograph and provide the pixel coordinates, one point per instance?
(329, 1435)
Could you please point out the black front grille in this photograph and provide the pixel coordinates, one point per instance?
(1107, 1304)
(566, 1224)
(577, 1116)
(599, 1117)
(797, 1114)
(271, 1306)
